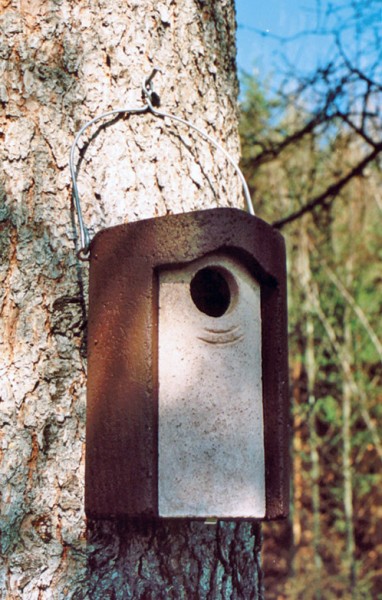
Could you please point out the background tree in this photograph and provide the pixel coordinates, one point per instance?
(63, 62)
(311, 153)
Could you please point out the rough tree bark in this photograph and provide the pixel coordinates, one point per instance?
(63, 62)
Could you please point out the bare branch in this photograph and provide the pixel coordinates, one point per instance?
(359, 130)
(331, 191)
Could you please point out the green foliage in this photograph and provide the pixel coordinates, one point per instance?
(327, 409)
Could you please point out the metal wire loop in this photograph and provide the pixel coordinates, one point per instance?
(152, 102)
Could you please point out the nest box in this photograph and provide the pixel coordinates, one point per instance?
(187, 411)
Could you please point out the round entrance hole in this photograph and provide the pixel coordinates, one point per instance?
(210, 291)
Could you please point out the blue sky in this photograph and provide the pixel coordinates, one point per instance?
(285, 18)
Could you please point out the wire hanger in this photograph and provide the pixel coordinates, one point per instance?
(152, 101)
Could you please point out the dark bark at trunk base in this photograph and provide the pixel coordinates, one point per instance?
(173, 560)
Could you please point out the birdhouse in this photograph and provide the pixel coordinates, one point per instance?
(187, 413)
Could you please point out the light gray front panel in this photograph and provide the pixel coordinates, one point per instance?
(211, 442)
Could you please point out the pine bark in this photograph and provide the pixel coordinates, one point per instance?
(63, 62)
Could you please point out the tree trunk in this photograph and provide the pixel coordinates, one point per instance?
(311, 370)
(347, 402)
(311, 373)
(62, 63)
